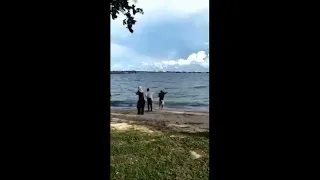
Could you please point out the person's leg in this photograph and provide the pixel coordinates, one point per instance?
(151, 104)
(138, 107)
(142, 108)
(148, 101)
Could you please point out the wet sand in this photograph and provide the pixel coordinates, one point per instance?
(165, 120)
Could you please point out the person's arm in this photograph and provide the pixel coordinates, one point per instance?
(137, 93)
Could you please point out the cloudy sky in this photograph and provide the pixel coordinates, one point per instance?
(171, 35)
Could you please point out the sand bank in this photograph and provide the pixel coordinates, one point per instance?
(177, 120)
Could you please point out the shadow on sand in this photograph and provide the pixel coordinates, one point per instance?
(199, 134)
(161, 126)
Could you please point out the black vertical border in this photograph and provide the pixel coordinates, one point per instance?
(218, 21)
(60, 124)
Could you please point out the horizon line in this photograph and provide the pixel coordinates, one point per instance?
(156, 71)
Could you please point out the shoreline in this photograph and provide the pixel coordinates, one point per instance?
(166, 119)
(191, 109)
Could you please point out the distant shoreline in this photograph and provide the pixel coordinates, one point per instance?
(200, 109)
(135, 72)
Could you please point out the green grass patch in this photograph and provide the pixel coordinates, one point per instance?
(142, 156)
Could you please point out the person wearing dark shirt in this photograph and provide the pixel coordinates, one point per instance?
(141, 102)
(161, 99)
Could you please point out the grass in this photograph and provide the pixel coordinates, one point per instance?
(138, 155)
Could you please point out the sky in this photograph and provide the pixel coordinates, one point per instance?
(171, 35)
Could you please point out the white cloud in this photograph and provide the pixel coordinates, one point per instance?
(196, 61)
(200, 58)
(124, 58)
(127, 54)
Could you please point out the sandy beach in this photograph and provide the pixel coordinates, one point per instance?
(164, 120)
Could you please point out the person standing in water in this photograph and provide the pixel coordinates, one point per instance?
(161, 99)
(149, 99)
(141, 102)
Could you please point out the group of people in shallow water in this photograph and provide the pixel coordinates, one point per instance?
(149, 96)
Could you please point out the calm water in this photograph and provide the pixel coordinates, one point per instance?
(185, 90)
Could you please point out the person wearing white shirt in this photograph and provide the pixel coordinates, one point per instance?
(149, 99)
